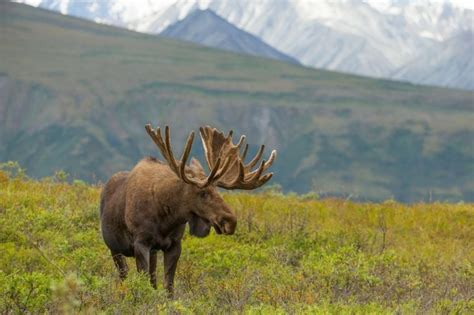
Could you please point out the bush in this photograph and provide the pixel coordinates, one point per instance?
(290, 254)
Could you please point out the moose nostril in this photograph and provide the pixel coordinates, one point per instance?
(229, 225)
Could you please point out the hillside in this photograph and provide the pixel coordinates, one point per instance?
(377, 38)
(289, 255)
(75, 95)
(207, 28)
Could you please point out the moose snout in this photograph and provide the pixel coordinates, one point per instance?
(227, 225)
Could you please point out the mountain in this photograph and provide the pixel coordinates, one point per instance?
(207, 28)
(75, 95)
(373, 37)
(450, 64)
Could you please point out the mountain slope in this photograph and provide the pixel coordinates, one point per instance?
(372, 37)
(449, 64)
(207, 28)
(75, 95)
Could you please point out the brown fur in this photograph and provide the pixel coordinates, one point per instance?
(146, 210)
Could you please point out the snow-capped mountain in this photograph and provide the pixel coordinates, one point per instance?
(449, 63)
(372, 37)
(207, 28)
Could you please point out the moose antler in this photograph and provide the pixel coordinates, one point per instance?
(238, 175)
(179, 167)
(232, 174)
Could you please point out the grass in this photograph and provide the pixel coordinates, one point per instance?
(290, 254)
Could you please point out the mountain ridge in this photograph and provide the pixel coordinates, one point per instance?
(207, 28)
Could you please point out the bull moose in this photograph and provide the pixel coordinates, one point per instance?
(146, 209)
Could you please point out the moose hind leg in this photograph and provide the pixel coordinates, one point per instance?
(121, 265)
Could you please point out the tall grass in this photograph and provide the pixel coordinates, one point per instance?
(289, 255)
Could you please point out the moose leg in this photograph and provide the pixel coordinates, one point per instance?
(152, 270)
(121, 265)
(142, 257)
(171, 257)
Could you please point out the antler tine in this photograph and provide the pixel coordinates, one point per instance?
(265, 178)
(244, 154)
(270, 160)
(184, 157)
(263, 166)
(214, 170)
(156, 137)
(172, 161)
(241, 175)
(239, 179)
(205, 143)
(151, 132)
(217, 173)
(241, 141)
(224, 168)
(258, 181)
(257, 173)
(256, 158)
(210, 178)
(187, 148)
(203, 133)
(213, 175)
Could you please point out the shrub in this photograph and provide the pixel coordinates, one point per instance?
(290, 254)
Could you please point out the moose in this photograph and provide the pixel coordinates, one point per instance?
(146, 209)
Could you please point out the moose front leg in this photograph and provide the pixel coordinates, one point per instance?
(153, 258)
(142, 257)
(121, 265)
(170, 258)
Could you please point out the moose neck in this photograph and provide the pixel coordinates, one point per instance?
(182, 200)
(186, 197)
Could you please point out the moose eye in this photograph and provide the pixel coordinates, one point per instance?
(203, 194)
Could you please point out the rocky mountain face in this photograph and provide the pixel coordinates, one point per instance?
(374, 38)
(207, 28)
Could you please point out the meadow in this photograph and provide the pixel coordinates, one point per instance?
(291, 254)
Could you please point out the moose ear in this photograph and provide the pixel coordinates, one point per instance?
(197, 168)
(199, 227)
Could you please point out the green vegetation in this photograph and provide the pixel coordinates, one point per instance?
(290, 254)
(75, 96)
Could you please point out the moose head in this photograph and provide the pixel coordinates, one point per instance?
(146, 210)
(227, 170)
